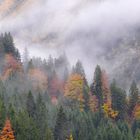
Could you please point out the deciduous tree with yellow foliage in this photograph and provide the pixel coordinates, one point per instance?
(136, 112)
(74, 89)
(109, 112)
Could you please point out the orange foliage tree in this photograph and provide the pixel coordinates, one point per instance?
(11, 66)
(38, 78)
(55, 86)
(136, 112)
(74, 89)
(7, 132)
(93, 102)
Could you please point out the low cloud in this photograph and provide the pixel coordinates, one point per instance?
(84, 29)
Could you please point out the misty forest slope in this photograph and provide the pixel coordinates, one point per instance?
(78, 27)
(69, 70)
(44, 99)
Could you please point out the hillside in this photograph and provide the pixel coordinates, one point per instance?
(69, 70)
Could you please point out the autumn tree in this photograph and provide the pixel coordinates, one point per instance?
(109, 112)
(93, 102)
(136, 112)
(12, 67)
(107, 107)
(74, 89)
(78, 69)
(7, 132)
(38, 79)
(55, 86)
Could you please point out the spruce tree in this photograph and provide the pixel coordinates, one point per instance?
(133, 97)
(9, 47)
(26, 128)
(78, 69)
(97, 85)
(60, 130)
(41, 118)
(30, 105)
(30, 65)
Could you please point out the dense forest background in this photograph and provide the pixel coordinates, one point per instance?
(49, 100)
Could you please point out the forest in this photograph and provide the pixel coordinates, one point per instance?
(47, 99)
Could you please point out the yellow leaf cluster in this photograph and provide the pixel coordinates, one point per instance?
(70, 138)
(109, 112)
